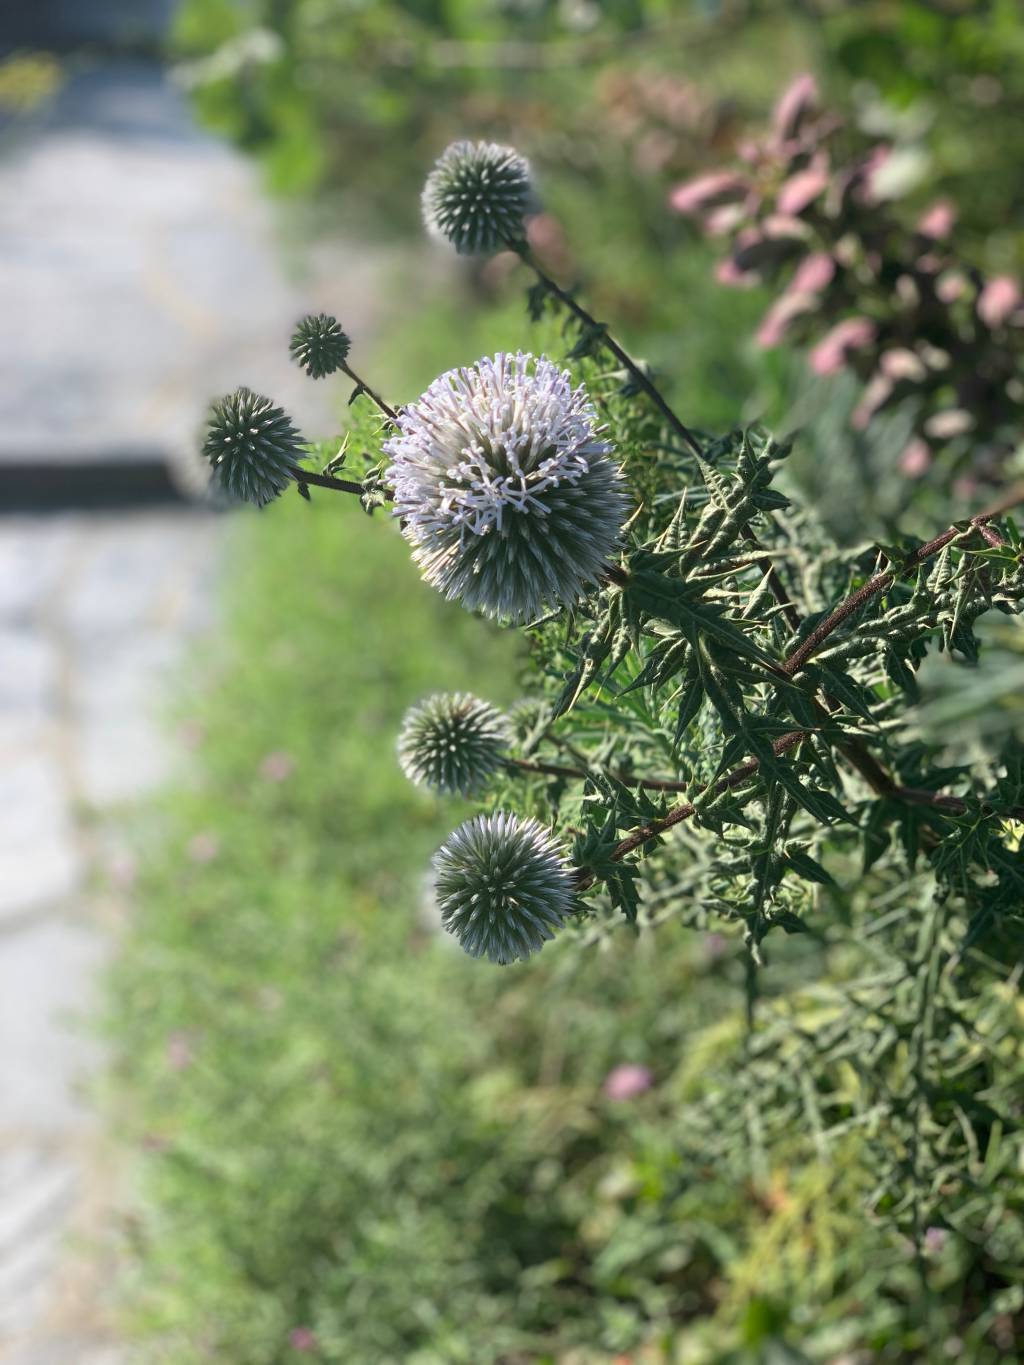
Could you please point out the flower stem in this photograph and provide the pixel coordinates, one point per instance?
(621, 355)
(307, 476)
(653, 784)
(363, 387)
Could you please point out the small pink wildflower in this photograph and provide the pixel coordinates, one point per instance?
(801, 190)
(302, 1339)
(179, 1052)
(814, 273)
(999, 300)
(203, 847)
(626, 1081)
(830, 354)
(937, 222)
(795, 102)
(277, 766)
(708, 191)
(916, 458)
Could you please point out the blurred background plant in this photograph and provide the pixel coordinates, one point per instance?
(358, 1146)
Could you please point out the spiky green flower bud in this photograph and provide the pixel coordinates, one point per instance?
(452, 743)
(318, 345)
(504, 488)
(478, 196)
(251, 446)
(503, 886)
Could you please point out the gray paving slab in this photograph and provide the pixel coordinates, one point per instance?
(141, 275)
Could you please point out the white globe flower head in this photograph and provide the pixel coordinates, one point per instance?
(452, 743)
(503, 886)
(478, 197)
(505, 490)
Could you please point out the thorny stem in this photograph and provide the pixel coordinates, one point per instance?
(362, 386)
(795, 661)
(653, 784)
(652, 391)
(881, 582)
(307, 476)
(678, 814)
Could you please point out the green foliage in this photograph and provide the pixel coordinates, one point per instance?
(791, 777)
(342, 1126)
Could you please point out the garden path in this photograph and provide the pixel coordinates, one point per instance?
(140, 273)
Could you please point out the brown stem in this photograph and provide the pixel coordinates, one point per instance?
(883, 581)
(873, 773)
(586, 878)
(388, 411)
(652, 784)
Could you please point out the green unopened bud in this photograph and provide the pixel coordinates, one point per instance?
(319, 345)
(478, 196)
(252, 446)
(503, 886)
(452, 743)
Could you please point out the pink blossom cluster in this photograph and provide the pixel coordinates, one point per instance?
(865, 293)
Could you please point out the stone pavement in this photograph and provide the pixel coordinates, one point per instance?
(140, 274)
(95, 613)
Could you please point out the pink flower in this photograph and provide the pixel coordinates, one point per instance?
(814, 273)
(179, 1052)
(830, 354)
(277, 766)
(626, 1081)
(998, 300)
(916, 458)
(720, 222)
(302, 1339)
(801, 190)
(775, 323)
(800, 96)
(901, 363)
(203, 847)
(727, 272)
(708, 191)
(937, 222)
(877, 392)
(951, 286)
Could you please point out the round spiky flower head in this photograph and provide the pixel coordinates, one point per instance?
(503, 488)
(478, 196)
(452, 742)
(318, 345)
(252, 446)
(502, 886)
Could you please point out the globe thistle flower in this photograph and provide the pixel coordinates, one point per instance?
(318, 345)
(506, 494)
(502, 886)
(452, 743)
(477, 197)
(251, 446)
